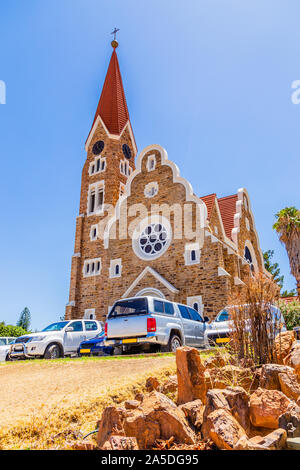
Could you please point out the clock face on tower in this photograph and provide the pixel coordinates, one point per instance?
(98, 147)
(126, 151)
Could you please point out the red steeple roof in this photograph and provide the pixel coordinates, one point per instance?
(227, 207)
(112, 107)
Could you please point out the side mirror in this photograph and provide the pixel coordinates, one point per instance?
(69, 328)
(206, 319)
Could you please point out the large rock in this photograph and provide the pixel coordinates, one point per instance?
(266, 406)
(283, 344)
(244, 443)
(193, 411)
(289, 385)
(233, 399)
(170, 385)
(269, 375)
(157, 418)
(276, 440)
(121, 443)
(152, 383)
(111, 423)
(290, 421)
(219, 359)
(293, 358)
(223, 429)
(190, 375)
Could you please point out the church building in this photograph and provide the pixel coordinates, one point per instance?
(141, 230)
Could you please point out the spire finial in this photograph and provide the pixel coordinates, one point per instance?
(114, 42)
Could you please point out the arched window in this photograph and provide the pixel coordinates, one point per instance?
(248, 258)
(196, 306)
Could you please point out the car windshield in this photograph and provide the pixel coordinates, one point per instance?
(56, 326)
(11, 340)
(129, 307)
(2, 342)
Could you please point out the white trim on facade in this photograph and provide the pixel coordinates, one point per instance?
(94, 188)
(188, 253)
(112, 268)
(190, 196)
(111, 136)
(151, 163)
(89, 314)
(93, 235)
(222, 272)
(150, 291)
(156, 275)
(92, 267)
(195, 299)
(151, 189)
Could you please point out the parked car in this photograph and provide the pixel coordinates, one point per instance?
(149, 322)
(95, 347)
(218, 331)
(4, 340)
(56, 340)
(5, 348)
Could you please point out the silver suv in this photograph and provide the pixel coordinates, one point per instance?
(150, 322)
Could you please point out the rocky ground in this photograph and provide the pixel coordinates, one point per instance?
(211, 404)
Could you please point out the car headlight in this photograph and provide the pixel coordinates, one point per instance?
(99, 344)
(36, 338)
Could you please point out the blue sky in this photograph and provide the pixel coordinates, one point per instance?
(209, 80)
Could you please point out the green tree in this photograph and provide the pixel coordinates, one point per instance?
(25, 318)
(287, 293)
(287, 227)
(273, 268)
(11, 330)
(291, 313)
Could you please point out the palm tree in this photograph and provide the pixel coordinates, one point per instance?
(288, 228)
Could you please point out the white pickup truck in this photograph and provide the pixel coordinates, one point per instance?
(56, 340)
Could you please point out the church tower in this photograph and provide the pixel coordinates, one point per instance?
(111, 150)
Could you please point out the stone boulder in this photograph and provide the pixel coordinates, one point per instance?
(170, 385)
(193, 411)
(233, 399)
(283, 344)
(293, 358)
(131, 404)
(157, 418)
(276, 440)
(120, 443)
(218, 359)
(111, 423)
(269, 375)
(244, 443)
(152, 383)
(190, 374)
(289, 385)
(290, 421)
(266, 406)
(223, 429)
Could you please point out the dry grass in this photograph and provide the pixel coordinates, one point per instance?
(52, 423)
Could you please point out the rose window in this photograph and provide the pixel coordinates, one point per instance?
(153, 239)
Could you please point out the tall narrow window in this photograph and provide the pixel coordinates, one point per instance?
(193, 255)
(100, 199)
(196, 306)
(92, 201)
(117, 270)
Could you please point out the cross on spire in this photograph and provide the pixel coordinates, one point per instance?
(114, 32)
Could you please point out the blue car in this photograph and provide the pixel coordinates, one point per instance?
(95, 347)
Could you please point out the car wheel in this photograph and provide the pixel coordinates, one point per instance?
(8, 357)
(52, 352)
(174, 343)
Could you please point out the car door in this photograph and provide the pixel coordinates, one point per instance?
(188, 326)
(75, 337)
(198, 327)
(91, 329)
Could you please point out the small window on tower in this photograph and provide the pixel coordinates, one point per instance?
(92, 201)
(100, 199)
(102, 165)
(98, 164)
(193, 255)
(117, 271)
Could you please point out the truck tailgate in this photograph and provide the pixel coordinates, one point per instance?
(127, 326)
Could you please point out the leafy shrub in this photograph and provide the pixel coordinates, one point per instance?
(291, 313)
(11, 330)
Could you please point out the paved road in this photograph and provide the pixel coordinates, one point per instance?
(28, 387)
